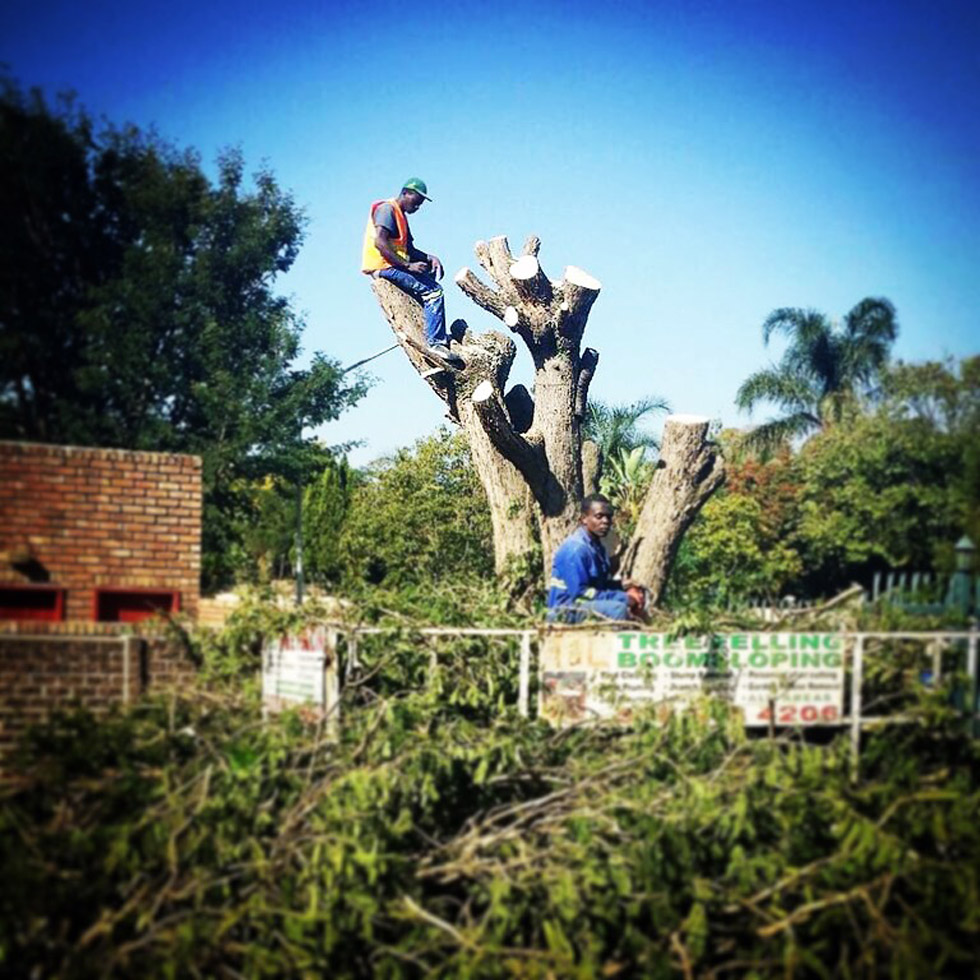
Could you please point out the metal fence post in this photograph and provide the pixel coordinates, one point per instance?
(973, 694)
(524, 676)
(433, 662)
(857, 679)
(331, 686)
(351, 663)
(127, 654)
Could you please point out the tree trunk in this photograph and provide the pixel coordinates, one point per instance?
(550, 318)
(688, 472)
(529, 452)
(511, 507)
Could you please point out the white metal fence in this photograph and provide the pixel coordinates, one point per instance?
(940, 652)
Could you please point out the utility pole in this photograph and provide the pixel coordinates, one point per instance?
(299, 542)
(300, 471)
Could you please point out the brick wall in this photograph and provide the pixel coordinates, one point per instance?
(91, 518)
(42, 673)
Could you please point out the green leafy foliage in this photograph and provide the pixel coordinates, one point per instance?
(419, 517)
(137, 307)
(625, 480)
(898, 485)
(440, 834)
(944, 398)
(892, 486)
(325, 505)
(743, 544)
(875, 493)
(264, 530)
(618, 429)
(628, 451)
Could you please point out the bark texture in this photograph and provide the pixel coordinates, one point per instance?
(529, 451)
(540, 436)
(688, 473)
(488, 355)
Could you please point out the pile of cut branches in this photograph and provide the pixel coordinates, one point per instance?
(442, 835)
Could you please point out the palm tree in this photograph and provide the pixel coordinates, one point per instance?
(824, 371)
(626, 450)
(616, 429)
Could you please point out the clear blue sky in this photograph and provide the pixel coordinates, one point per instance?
(708, 161)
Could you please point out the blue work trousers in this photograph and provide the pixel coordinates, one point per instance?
(586, 609)
(428, 292)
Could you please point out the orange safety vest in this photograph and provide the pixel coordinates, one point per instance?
(371, 259)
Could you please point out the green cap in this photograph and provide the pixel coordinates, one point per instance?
(417, 185)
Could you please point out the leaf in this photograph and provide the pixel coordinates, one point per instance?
(695, 929)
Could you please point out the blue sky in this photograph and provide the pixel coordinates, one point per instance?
(708, 161)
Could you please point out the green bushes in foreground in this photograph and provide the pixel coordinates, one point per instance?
(443, 835)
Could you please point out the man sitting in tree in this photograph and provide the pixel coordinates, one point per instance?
(581, 586)
(389, 252)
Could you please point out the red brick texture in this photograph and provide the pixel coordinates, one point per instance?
(40, 674)
(100, 518)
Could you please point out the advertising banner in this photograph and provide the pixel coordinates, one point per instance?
(778, 678)
(299, 672)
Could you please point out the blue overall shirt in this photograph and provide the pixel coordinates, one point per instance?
(580, 577)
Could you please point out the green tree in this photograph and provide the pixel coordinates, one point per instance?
(894, 488)
(744, 543)
(618, 429)
(823, 372)
(264, 530)
(901, 484)
(325, 505)
(945, 396)
(421, 516)
(627, 450)
(137, 308)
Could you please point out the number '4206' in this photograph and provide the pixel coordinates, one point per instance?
(793, 714)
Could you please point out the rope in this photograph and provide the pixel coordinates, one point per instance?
(366, 359)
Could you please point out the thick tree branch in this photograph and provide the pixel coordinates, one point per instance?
(591, 467)
(532, 245)
(509, 444)
(689, 471)
(579, 291)
(404, 316)
(489, 357)
(530, 281)
(495, 257)
(480, 293)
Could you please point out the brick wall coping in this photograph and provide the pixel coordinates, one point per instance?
(64, 638)
(75, 630)
(139, 455)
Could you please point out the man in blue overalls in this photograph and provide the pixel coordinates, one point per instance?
(581, 586)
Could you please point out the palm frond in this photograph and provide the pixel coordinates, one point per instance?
(790, 390)
(869, 332)
(777, 433)
(616, 428)
(874, 319)
(798, 324)
(826, 367)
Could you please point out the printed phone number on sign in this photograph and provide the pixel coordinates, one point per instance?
(797, 714)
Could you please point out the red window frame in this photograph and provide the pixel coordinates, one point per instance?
(51, 611)
(124, 604)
